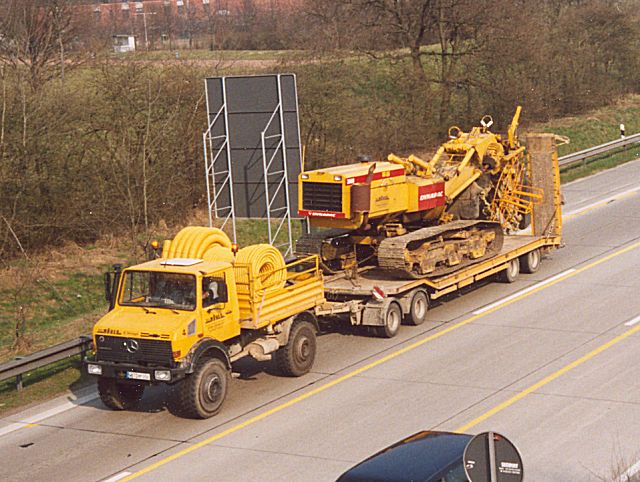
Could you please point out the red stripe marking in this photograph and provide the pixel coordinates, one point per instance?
(320, 214)
(376, 176)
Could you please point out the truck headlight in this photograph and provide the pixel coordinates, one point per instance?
(162, 375)
(94, 369)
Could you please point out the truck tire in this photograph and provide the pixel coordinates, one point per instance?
(510, 274)
(119, 395)
(202, 393)
(297, 357)
(392, 318)
(418, 308)
(530, 262)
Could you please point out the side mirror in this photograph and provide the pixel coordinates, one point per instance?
(107, 287)
(223, 293)
(111, 285)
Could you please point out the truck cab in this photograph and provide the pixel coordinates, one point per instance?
(160, 310)
(183, 321)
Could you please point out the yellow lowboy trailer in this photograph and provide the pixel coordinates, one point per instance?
(184, 318)
(376, 298)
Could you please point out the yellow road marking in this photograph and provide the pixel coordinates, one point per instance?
(369, 366)
(29, 425)
(547, 380)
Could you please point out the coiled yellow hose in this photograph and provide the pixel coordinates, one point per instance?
(211, 244)
(267, 268)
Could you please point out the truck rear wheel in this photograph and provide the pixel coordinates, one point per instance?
(510, 274)
(201, 394)
(392, 317)
(119, 395)
(418, 308)
(530, 262)
(297, 357)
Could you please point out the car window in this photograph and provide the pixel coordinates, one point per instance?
(456, 474)
(212, 288)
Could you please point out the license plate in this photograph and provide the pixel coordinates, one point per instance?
(139, 376)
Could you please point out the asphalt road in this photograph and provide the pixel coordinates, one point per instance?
(553, 368)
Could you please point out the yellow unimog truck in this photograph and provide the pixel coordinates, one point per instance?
(183, 318)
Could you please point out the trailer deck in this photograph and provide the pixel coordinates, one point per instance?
(338, 286)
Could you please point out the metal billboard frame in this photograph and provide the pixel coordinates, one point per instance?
(277, 135)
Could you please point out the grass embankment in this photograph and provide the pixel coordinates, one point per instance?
(55, 296)
(598, 127)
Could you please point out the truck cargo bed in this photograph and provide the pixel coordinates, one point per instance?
(301, 289)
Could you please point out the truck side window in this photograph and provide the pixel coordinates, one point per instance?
(214, 290)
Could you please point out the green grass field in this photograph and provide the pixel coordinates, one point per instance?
(597, 127)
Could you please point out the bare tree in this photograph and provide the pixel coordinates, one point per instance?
(328, 25)
(35, 36)
(405, 23)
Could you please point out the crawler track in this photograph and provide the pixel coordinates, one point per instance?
(448, 247)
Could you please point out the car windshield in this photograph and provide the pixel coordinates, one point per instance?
(151, 289)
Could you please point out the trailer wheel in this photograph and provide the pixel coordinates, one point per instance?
(530, 262)
(392, 318)
(510, 274)
(297, 357)
(119, 395)
(202, 393)
(418, 308)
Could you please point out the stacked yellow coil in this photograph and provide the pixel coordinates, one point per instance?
(266, 265)
(210, 244)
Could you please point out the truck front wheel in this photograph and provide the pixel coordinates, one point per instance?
(119, 395)
(201, 394)
(296, 357)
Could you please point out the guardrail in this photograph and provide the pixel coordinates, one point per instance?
(16, 368)
(580, 157)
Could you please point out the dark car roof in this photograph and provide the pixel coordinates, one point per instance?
(421, 457)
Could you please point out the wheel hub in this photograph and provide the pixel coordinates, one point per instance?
(303, 349)
(212, 389)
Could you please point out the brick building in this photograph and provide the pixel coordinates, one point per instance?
(181, 23)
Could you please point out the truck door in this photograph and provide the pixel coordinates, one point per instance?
(217, 309)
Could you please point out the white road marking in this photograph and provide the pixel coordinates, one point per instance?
(630, 472)
(632, 321)
(522, 292)
(600, 202)
(69, 404)
(116, 477)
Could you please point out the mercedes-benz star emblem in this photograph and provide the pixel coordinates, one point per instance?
(131, 345)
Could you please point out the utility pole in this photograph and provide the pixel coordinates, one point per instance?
(144, 21)
(189, 26)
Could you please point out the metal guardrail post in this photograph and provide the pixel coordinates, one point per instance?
(582, 157)
(17, 367)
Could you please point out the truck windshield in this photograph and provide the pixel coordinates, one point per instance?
(151, 289)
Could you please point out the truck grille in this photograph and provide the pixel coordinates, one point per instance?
(120, 349)
(322, 196)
